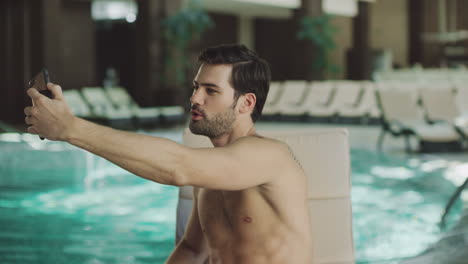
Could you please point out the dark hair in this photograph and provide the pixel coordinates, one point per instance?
(250, 73)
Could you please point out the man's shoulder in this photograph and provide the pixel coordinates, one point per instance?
(261, 140)
(279, 151)
(281, 160)
(260, 145)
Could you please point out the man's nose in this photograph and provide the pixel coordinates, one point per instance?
(197, 97)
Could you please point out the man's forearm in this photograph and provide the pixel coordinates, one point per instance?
(153, 158)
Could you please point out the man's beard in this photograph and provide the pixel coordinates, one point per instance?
(213, 127)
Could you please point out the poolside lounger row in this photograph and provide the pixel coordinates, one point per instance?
(324, 155)
(420, 75)
(436, 114)
(431, 113)
(347, 101)
(113, 106)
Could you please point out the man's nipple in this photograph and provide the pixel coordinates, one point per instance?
(247, 219)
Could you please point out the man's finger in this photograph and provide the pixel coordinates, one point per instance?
(34, 94)
(32, 130)
(56, 90)
(27, 110)
(30, 120)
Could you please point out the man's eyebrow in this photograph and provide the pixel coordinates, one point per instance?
(206, 84)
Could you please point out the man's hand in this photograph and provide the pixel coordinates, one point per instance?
(49, 118)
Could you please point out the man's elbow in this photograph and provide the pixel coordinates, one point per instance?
(168, 177)
(180, 174)
(179, 178)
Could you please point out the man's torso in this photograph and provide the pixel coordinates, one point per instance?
(264, 224)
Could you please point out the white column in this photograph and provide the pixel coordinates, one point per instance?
(246, 31)
(442, 16)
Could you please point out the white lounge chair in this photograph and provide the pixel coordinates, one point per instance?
(292, 95)
(369, 102)
(365, 108)
(462, 97)
(324, 155)
(173, 113)
(101, 104)
(462, 103)
(274, 94)
(145, 116)
(346, 100)
(318, 105)
(306, 100)
(102, 107)
(401, 116)
(76, 103)
(440, 104)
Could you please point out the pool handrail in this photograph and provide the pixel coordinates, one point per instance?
(451, 202)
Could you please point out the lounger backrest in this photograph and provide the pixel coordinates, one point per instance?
(293, 92)
(368, 97)
(414, 86)
(119, 96)
(369, 100)
(439, 103)
(76, 103)
(96, 95)
(324, 155)
(462, 97)
(399, 103)
(320, 93)
(276, 89)
(98, 99)
(346, 93)
(174, 110)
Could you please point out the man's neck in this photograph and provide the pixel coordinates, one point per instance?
(237, 132)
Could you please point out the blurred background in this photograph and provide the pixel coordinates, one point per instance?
(151, 46)
(392, 72)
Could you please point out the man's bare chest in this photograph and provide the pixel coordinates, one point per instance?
(225, 214)
(215, 206)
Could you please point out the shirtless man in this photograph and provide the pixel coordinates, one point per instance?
(250, 195)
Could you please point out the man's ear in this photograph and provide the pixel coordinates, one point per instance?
(248, 103)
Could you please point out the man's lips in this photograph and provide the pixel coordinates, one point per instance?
(196, 115)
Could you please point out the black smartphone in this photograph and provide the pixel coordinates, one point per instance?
(39, 82)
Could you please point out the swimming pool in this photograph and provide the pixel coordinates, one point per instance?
(59, 204)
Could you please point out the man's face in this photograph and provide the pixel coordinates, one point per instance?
(213, 105)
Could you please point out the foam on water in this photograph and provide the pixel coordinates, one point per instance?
(94, 212)
(397, 205)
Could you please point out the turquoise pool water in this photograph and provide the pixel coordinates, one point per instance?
(398, 203)
(59, 204)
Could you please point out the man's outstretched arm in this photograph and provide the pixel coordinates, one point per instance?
(243, 164)
(149, 157)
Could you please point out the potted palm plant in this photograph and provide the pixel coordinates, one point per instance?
(180, 30)
(319, 31)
